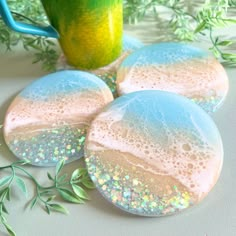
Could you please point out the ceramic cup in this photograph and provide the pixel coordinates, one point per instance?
(89, 31)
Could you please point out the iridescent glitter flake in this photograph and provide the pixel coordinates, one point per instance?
(178, 68)
(48, 120)
(153, 153)
(50, 146)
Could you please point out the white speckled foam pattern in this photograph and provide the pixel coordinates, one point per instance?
(165, 135)
(47, 121)
(177, 68)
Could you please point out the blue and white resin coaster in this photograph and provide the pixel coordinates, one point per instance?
(178, 68)
(153, 153)
(48, 120)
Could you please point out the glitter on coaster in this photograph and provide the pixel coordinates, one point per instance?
(153, 153)
(177, 68)
(108, 73)
(48, 120)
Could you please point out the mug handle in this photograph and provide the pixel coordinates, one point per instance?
(47, 31)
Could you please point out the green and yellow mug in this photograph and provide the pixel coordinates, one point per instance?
(89, 31)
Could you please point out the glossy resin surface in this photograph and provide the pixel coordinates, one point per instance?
(48, 120)
(177, 68)
(153, 153)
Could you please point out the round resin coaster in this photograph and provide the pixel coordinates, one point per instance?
(153, 153)
(177, 68)
(108, 73)
(48, 120)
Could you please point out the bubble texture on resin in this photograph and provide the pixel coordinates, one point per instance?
(177, 68)
(48, 120)
(153, 153)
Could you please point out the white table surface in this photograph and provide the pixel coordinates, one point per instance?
(214, 216)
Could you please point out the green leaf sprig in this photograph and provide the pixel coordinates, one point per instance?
(190, 21)
(44, 49)
(69, 189)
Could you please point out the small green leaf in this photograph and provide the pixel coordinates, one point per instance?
(4, 209)
(59, 166)
(47, 209)
(46, 193)
(217, 40)
(200, 27)
(80, 192)
(229, 56)
(62, 178)
(50, 177)
(233, 21)
(33, 202)
(85, 173)
(3, 193)
(58, 208)
(69, 196)
(225, 43)
(21, 184)
(88, 184)
(1, 203)
(229, 63)
(9, 229)
(8, 195)
(2, 218)
(76, 174)
(4, 180)
(49, 42)
(51, 198)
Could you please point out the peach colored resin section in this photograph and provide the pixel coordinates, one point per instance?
(76, 110)
(182, 160)
(202, 80)
(154, 153)
(48, 120)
